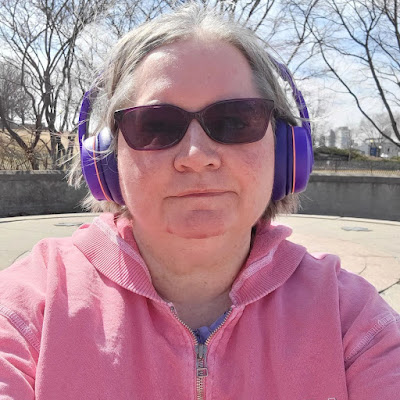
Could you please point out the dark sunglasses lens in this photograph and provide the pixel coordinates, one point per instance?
(153, 127)
(238, 121)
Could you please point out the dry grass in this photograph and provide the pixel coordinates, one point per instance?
(13, 157)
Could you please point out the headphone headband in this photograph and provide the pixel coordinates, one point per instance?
(298, 96)
(84, 114)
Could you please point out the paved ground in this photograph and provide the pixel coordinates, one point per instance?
(370, 248)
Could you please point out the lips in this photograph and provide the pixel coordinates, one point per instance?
(202, 193)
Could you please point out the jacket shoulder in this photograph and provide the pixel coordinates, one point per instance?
(26, 283)
(370, 329)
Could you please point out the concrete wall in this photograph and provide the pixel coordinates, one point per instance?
(37, 192)
(353, 196)
(47, 192)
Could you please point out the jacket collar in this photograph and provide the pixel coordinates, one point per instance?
(109, 246)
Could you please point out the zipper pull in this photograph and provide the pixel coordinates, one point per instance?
(201, 363)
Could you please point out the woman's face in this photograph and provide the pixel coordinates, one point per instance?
(198, 188)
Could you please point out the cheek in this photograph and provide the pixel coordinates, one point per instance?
(142, 176)
(259, 161)
(136, 165)
(128, 169)
(134, 170)
(258, 173)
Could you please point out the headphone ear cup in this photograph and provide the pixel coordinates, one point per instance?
(283, 173)
(303, 158)
(100, 167)
(293, 160)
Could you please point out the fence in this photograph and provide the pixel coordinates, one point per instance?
(373, 168)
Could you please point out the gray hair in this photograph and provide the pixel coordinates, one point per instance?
(116, 84)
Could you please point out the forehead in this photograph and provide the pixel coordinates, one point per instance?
(193, 73)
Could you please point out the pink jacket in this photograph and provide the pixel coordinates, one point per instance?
(80, 319)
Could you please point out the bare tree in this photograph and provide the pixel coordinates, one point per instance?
(126, 14)
(359, 42)
(367, 131)
(13, 99)
(276, 22)
(57, 49)
(13, 103)
(40, 38)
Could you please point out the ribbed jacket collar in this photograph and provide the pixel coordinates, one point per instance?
(271, 261)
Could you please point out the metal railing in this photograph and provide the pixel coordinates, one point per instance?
(372, 168)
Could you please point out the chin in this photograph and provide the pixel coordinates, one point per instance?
(196, 234)
(200, 225)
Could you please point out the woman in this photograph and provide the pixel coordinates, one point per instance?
(187, 290)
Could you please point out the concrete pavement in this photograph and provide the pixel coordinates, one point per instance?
(370, 248)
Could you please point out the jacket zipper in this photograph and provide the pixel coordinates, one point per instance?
(201, 353)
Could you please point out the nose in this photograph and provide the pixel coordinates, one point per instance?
(196, 151)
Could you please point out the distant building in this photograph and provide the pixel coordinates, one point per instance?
(332, 138)
(362, 148)
(380, 147)
(344, 136)
(389, 149)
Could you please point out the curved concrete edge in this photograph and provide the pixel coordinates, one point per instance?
(46, 216)
(332, 217)
(328, 217)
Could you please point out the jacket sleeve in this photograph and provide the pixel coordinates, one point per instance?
(22, 299)
(17, 362)
(371, 340)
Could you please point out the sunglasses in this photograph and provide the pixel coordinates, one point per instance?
(160, 126)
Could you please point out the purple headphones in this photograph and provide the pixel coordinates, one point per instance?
(293, 152)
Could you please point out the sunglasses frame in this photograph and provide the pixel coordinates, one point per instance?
(189, 116)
